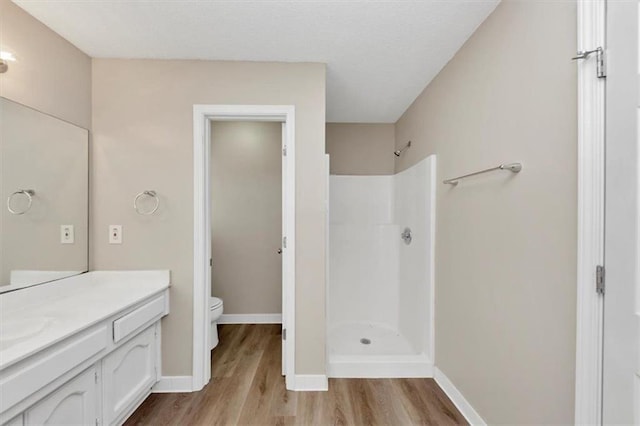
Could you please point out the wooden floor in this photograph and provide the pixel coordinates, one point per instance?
(246, 388)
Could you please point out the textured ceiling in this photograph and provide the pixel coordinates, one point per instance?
(379, 54)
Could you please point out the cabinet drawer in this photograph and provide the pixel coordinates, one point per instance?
(123, 327)
(51, 365)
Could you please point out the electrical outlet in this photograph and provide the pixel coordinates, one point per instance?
(67, 235)
(115, 234)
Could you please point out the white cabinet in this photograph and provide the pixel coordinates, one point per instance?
(97, 376)
(107, 392)
(129, 372)
(75, 403)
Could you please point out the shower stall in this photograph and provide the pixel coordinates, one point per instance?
(380, 299)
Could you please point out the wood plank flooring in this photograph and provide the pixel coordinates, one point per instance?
(246, 388)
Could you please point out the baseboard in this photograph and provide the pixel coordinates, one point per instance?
(250, 319)
(458, 399)
(311, 382)
(173, 384)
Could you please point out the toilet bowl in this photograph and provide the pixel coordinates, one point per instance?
(215, 310)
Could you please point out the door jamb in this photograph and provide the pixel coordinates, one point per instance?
(591, 178)
(202, 116)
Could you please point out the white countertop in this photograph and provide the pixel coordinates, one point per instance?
(34, 318)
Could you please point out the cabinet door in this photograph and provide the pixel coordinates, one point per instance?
(75, 403)
(129, 372)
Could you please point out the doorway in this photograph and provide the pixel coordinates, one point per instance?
(246, 220)
(205, 118)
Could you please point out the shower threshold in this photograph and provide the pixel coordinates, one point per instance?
(379, 366)
(362, 350)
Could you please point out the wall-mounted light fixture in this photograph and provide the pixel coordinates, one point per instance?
(5, 58)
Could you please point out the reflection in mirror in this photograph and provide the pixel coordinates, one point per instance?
(44, 179)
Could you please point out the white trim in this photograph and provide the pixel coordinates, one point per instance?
(458, 399)
(327, 264)
(201, 253)
(250, 319)
(289, 252)
(202, 115)
(382, 367)
(311, 382)
(433, 177)
(173, 384)
(591, 139)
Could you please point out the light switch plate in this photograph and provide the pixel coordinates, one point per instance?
(67, 234)
(115, 234)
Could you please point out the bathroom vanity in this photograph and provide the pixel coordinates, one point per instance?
(76, 347)
(81, 350)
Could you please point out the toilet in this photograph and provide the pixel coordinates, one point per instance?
(215, 310)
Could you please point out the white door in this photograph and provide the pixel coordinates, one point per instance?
(75, 403)
(621, 363)
(288, 249)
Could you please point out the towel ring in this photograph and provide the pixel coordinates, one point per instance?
(29, 193)
(148, 193)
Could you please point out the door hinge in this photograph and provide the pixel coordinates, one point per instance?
(284, 242)
(210, 261)
(97, 421)
(601, 71)
(95, 376)
(284, 334)
(600, 283)
(284, 151)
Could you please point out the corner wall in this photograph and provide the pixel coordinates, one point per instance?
(506, 244)
(361, 148)
(50, 74)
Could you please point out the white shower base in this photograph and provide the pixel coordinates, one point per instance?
(388, 355)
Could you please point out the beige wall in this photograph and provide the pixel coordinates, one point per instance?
(143, 139)
(506, 244)
(361, 149)
(246, 216)
(50, 74)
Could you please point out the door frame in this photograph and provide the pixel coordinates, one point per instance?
(203, 115)
(591, 19)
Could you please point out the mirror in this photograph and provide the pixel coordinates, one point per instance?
(44, 183)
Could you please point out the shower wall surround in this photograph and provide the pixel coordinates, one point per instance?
(364, 244)
(415, 207)
(380, 288)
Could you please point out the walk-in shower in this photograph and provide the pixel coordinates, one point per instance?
(380, 289)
